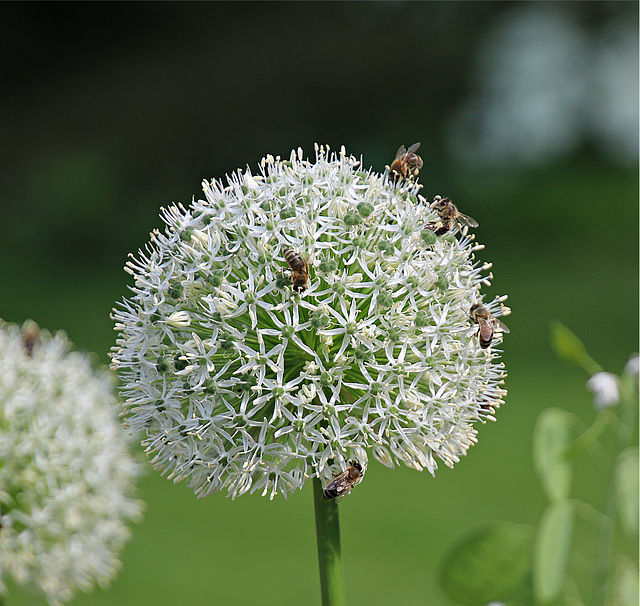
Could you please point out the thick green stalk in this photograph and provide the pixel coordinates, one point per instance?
(329, 556)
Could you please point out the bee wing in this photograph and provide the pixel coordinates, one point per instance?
(467, 220)
(413, 148)
(339, 483)
(501, 325)
(485, 326)
(401, 152)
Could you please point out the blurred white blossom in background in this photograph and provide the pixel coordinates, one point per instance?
(66, 474)
(545, 84)
(605, 387)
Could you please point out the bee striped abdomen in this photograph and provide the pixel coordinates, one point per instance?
(294, 260)
(299, 270)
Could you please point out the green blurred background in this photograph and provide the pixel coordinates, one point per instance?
(528, 117)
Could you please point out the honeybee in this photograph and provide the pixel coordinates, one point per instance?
(299, 270)
(30, 337)
(344, 482)
(406, 165)
(486, 324)
(449, 214)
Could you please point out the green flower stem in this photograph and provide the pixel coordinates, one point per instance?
(604, 550)
(590, 436)
(329, 555)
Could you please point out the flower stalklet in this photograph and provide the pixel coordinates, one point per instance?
(65, 470)
(295, 320)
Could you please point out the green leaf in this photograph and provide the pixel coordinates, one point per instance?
(568, 347)
(565, 344)
(625, 480)
(551, 550)
(551, 437)
(488, 562)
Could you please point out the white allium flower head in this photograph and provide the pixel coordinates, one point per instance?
(66, 474)
(606, 389)
(240, 382)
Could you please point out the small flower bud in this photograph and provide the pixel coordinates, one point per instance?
(606, 389)
(179, 319)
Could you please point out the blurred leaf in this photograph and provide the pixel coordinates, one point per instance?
(568, 347)
(489, 562)
(591, 435)
(551, 437)
(565, 344)
(626, 586)
(625, 478)
(551, 550)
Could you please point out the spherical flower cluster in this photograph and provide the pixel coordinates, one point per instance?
(65, 469)
(240, 380)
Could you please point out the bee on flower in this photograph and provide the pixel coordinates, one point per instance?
(262, 374)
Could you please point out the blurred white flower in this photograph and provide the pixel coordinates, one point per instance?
(545, 84)
(632, 365)
(606, 389)
(65, 470)
(267, 387)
